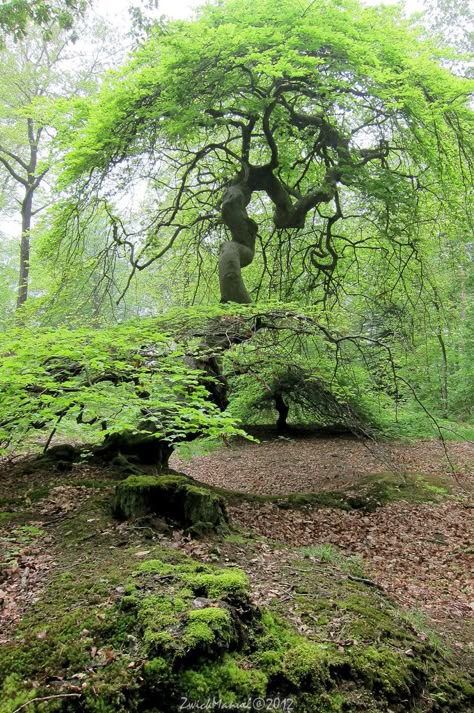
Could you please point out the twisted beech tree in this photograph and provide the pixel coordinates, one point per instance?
(275, 118)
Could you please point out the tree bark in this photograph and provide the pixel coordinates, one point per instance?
(31, 183)
(290, 208)
(238, 252)
(26, 216)
(444, 376)
(283, 410)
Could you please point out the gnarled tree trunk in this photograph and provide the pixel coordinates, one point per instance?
(238, 252)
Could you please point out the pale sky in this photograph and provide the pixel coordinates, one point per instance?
(116, 10)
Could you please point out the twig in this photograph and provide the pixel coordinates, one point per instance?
(308, 8)
(367, 582)
(47, 698)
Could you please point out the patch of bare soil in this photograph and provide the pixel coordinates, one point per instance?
(26, 551)
(285, 465)
(31, 504)
(22, 577)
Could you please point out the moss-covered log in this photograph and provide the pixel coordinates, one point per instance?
(175, 497)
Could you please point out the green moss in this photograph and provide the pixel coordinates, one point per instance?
(13, 695)
(207, 630)
(139, 482)
(7, 517)
(306, 666)
(159, 618)
(38, 493)
(353, 564)
(172, 626)
(231, 582)
(372, 492)
(175, 497)
(200, 648)
(230, 679)
(389, 487)
(391, 674)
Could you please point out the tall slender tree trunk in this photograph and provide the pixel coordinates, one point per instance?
(444, 359)
(26, 216)
(31, 183)
(444, 376)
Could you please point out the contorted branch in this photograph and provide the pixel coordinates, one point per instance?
(288, 212)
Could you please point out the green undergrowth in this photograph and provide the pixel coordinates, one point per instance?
(353, 564)
(14, 541)
(414, 426)
(137, 637)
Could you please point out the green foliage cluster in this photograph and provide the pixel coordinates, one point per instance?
(139, 376)
(16, 15)
(319, 383)
(105, 381)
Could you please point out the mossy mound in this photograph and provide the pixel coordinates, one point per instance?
(372, 492)
(177, 628)
(177, 498)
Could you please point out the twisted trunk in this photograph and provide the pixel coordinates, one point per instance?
(238, 252)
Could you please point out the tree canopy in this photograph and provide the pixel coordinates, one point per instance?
(318, 123)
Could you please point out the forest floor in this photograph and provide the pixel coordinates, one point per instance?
(410, 538)
(421, 553)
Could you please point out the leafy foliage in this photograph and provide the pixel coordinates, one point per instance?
(105, 380)
(15, 15)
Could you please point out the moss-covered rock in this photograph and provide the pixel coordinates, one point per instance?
(178, 498)
(372, 492)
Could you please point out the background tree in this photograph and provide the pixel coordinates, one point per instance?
(16, 15)
(28, 70)
(35, 72)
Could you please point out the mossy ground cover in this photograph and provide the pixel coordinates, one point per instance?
(127, 622)
(370, 492)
